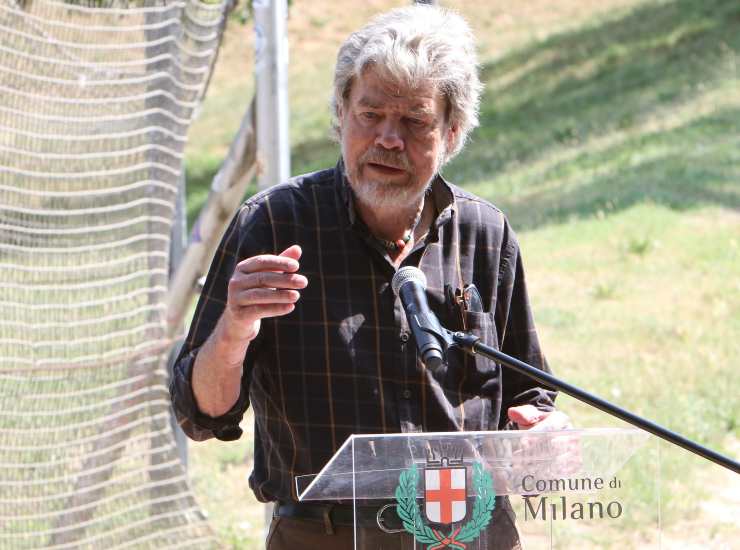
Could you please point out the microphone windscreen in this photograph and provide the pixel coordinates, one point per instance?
(406, 274)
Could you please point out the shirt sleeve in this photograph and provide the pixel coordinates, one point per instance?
(517, 334)
(196, 424)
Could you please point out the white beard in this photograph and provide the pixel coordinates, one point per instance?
(380, 195)
(387, 196)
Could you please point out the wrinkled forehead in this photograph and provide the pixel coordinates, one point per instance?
(377, 89)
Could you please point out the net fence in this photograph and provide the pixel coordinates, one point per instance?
(95, 103)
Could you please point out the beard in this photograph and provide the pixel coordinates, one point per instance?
(388, 193)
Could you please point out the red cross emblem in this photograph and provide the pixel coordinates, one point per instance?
(444, 493)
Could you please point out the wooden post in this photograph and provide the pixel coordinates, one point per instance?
(271, 74)
(227, 192)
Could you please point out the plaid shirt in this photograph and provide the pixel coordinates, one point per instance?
(343, 361)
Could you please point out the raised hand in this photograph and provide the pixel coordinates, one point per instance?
(261, 286)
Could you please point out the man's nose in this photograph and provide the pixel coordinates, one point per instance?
(389, 135)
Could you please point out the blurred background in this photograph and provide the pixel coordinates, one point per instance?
(610, 136)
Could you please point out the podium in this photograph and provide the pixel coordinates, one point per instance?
(586, 488)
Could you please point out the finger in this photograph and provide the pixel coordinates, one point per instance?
(267, 279)
(293, 252)
(526, 415)
(556, 420)
(263, 296)
(274, 310)
(268, 262)
(262, 311)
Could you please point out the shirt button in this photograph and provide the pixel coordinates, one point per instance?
(404, 337)
(407, 394)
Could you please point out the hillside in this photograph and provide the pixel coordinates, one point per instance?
(610, 135)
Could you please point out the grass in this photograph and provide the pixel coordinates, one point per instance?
(660, 341)
(609, 135)
(218, 472)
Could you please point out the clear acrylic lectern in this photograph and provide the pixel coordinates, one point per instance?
(569, 489)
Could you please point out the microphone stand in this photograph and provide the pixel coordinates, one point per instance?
(471, 344)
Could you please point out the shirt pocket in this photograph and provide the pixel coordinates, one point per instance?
(474, 374)
(483, 325)
(473, 382)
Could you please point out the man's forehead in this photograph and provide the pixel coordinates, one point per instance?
(410, 103)
(373, 91)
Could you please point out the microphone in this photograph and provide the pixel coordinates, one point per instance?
(410, 284)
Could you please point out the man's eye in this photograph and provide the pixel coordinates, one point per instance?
(416, 122)
(369, 115)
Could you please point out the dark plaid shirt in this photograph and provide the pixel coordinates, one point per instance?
(343, 361)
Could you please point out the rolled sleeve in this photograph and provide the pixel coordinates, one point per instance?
(197, 425)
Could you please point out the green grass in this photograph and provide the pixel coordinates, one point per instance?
(663, 343)
(218, 472)
(610, 137)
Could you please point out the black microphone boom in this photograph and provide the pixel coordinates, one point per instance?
(410, 284)
(432, 340)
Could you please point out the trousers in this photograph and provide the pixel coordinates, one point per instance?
(288, 533)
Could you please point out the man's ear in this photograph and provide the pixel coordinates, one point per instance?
(452, 135)
(340, 119)
(340, 112)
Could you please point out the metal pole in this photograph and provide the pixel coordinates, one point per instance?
(271, 74)
(471, 344)
(178, 243)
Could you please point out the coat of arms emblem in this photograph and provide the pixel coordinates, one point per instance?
(445, 502)
(445, 494)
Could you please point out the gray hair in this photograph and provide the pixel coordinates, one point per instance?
(410, 46)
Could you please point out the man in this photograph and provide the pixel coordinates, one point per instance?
(298, 318)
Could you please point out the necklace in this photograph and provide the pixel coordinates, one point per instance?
(394, 246)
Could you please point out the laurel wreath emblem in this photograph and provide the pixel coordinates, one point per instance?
(414, 523)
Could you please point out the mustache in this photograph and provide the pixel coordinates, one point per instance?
(394, 159)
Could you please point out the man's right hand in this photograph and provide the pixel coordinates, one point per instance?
(261, 286)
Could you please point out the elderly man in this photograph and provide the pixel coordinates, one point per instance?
(298, 318)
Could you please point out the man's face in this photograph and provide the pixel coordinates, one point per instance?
(393, 140)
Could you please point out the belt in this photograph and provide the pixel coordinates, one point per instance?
(383, 517)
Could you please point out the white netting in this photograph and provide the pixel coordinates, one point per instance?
(95, 101)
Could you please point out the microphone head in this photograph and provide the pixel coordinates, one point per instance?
(406, 274)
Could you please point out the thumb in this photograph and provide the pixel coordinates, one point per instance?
(293, 251)
(525, 415)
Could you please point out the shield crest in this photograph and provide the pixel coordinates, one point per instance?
(445, 490)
